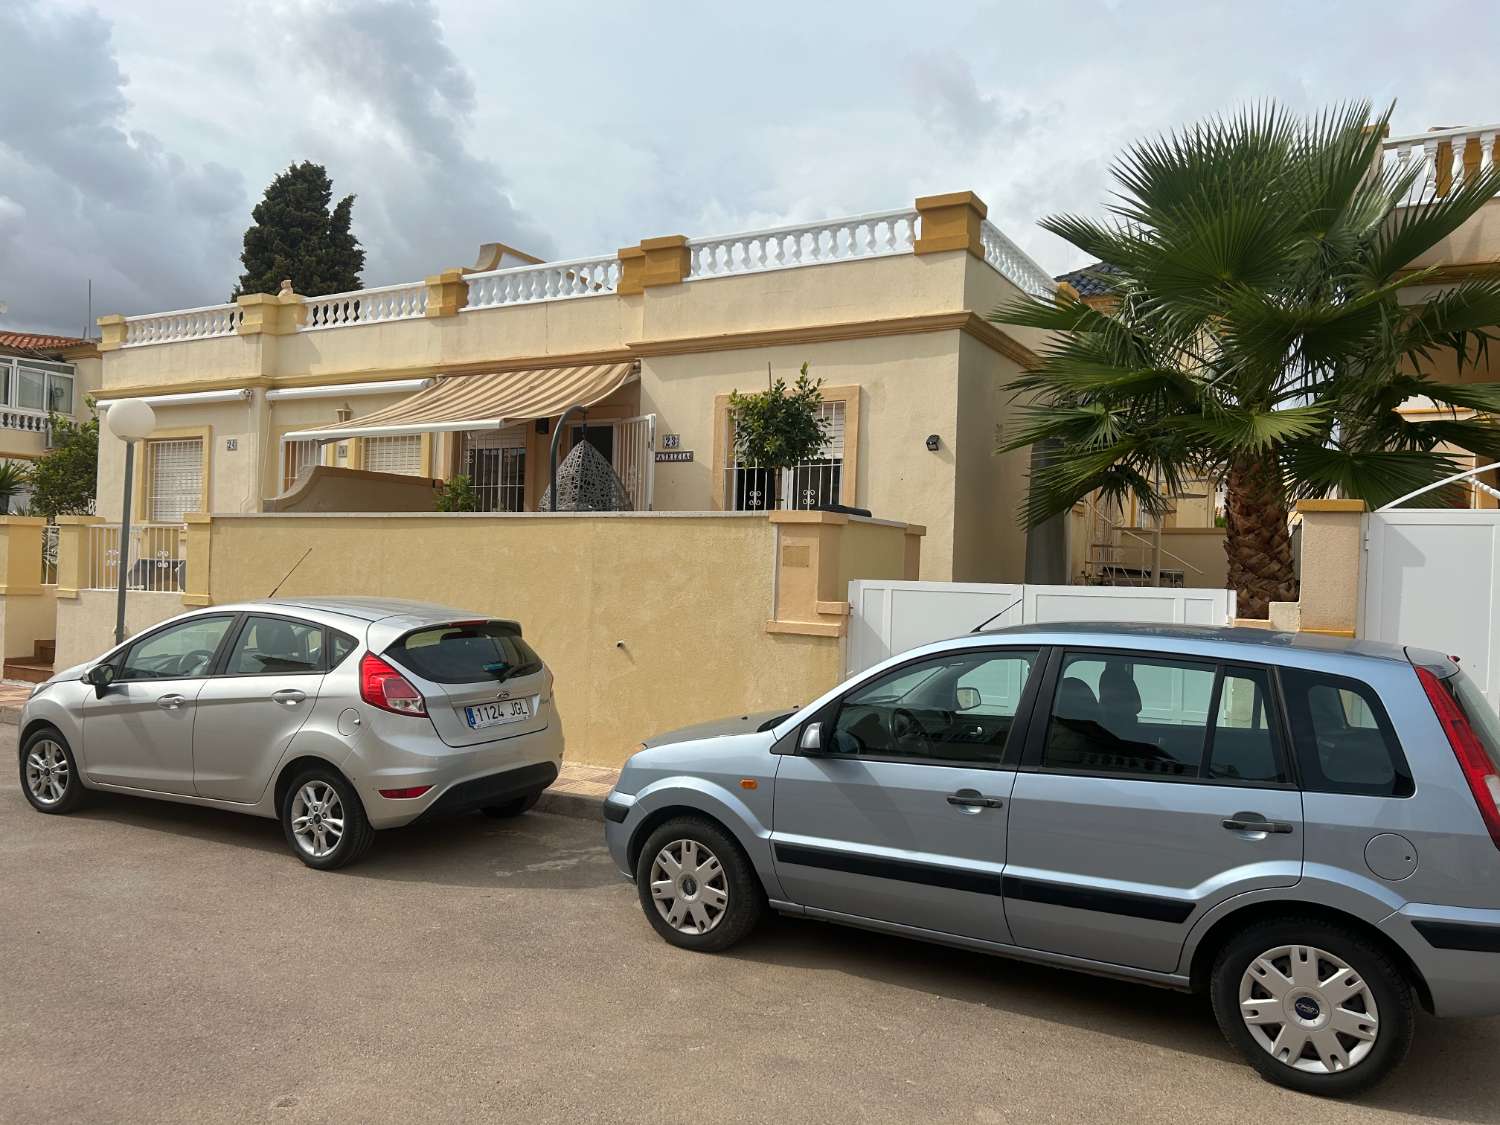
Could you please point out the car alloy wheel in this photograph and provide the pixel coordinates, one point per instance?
(689, 887)
(317, 819)
(1308, 1009)
(47, 772)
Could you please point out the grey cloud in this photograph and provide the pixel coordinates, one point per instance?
(402, 104)
(82, 196)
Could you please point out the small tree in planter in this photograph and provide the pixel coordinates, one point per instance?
(458, 495)
(779, 427)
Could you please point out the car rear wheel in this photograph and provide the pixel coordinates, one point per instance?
(1313, 1006)
(514, 807)
(324, 821)
(697, 886)
(49, 775)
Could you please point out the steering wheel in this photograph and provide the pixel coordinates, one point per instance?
(190, 664)
(908, 733)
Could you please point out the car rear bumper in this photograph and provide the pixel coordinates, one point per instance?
(1457, 951)
(470, 778)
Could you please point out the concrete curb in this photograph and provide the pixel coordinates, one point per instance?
(583, 806)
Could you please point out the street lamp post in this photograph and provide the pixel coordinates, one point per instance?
(131, 421)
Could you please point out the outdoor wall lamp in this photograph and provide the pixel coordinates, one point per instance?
(933, 441)
(130, 420)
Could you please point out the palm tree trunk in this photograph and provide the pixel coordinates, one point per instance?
(1257, 542)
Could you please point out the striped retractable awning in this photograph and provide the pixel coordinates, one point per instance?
(482, 402)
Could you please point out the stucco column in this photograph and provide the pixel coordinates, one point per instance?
(271, 315)
(447, 292)
(951, 222)
(198, 556)
(73, 559)
(21, 555)
(1332, 565)
(656, 261)
(111, 332)
(808, 600)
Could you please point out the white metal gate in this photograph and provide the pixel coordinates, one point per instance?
(1430, 580)
(635, 459)
(888, 617)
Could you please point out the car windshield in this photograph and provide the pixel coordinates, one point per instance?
(466, 652)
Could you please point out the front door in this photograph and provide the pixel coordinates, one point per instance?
(900, 815)
(140, 731)
(249, 713)
(1139, 805)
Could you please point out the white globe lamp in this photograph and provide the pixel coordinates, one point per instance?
(130, 420)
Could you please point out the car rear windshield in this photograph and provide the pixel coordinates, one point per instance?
(1481, 715)
(466, 652)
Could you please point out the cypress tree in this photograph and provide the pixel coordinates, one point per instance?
(296, 236)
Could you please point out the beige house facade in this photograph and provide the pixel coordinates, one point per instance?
(888, 311)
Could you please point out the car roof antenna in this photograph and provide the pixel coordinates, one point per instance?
(288, 574)
(980, 627)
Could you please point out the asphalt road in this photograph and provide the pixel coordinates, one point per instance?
(163, 963)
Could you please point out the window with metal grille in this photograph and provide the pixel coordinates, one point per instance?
(495, 463)
(174, 479)
(296, 456)
(401, 454)
(814, 482)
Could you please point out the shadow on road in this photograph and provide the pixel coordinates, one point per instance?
(469, 850)
(1448, 1057)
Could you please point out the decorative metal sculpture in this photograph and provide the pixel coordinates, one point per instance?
(586, 482)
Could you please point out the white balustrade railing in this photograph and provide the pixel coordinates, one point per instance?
(365, 306)
(1438, 157)
(803, 244)
(158, 557)
(184, 324)
(49, 554)
(29, 421)
(1013, 263)
(546, 281)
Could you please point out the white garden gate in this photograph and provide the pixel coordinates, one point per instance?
(888, 617)
(1431, 579)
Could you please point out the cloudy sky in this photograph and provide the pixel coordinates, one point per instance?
(135, 135)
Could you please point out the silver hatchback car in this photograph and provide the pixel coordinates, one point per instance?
(1306, 829)
(337, 716)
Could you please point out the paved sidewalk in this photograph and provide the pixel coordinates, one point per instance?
(13, 695)
(579, 791)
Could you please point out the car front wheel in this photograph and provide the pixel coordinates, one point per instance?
(49, 774)
(1314, 1007)
(324, 821)
(697, 886)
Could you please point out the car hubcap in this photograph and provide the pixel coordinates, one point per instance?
(317, 818)
(47, 772)
(1309, 1009)
(689, 887)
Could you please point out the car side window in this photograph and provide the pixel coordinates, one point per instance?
(959, 709)
(1129, 715)
(1243, 746)
(341, 645)
(176, 652)
(271, 646)
(1343, 738)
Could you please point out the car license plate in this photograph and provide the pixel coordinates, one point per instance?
(499, 713)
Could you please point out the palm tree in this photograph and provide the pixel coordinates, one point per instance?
(1262, 337)
(13, 478)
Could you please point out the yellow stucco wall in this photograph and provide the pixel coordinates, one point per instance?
(86, 623)
(1203, 547)
(990, 488)
(648, 622)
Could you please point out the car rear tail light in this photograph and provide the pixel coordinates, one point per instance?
(405, 794)
(1479, 771)
(382, 686)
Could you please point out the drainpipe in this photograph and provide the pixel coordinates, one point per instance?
(562, 423)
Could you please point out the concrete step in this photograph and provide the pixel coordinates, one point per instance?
(28, 671)
(46, 652)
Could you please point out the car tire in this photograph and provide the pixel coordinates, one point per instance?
(49, 773)
(1345, 1007)
(710, 907)
(323, 819)
(514, 807)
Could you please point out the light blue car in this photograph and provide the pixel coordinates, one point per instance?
(1307, 829)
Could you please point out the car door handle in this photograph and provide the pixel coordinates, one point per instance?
(289, 697)
(974, 799)
(171, 702)
(1245, 822)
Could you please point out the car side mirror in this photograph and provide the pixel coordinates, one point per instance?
(967, 698)
(811, 741)
(100, 676)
